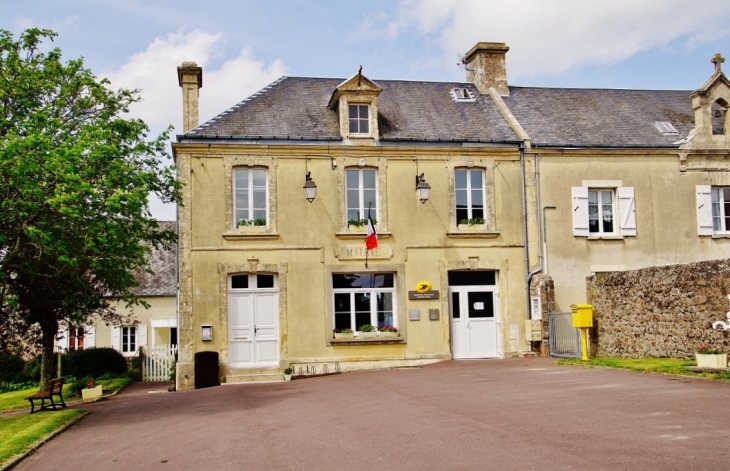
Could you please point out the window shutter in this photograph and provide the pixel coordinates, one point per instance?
(580, 211)
(142, 335)
(627, 207)
(62, 337)
(116, 341)
(704, 210)
(89, 337)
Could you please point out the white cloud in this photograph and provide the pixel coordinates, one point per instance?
(551, 36)
(154, 72)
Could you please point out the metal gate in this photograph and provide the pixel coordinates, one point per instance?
(564, 338)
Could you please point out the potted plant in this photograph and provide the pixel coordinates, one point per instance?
(91, 392)
(344, 333)
(388, 331)
(471, 224)
(251, 225)
(367, 331)
(287, 374)
(710, 357)
(359, 225)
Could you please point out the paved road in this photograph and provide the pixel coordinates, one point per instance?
(508, 414)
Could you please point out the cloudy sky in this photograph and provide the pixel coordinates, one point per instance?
(243, 45)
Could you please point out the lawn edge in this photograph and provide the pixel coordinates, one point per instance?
(15, 461)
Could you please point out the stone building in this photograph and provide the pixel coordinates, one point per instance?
(523, 181)
(140, 327)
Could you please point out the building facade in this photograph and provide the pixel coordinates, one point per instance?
(523, 181)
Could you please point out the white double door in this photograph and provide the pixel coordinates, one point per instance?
(474, 315)
(253, 329)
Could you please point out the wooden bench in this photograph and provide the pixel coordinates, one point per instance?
(54, 388)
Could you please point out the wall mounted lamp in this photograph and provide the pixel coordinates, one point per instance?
(310, 189)
(422, 188)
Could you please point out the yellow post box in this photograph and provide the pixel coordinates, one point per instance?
(583, 320)
(582, 315)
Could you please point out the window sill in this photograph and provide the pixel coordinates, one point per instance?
(250, 235)
(605, 237)
(481, 234)
(721, 236)
(361, 235)
(368, 341)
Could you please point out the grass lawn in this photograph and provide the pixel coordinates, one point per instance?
(20, 432)
(649, 365)
(15, 400)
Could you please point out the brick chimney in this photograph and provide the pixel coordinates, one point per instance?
(486, 67)
(190, 78)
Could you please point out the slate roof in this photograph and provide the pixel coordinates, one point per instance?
(600, 117)
(296, 108)
(163, 282)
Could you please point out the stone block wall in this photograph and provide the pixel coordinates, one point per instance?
(542, 287)
(659, 311)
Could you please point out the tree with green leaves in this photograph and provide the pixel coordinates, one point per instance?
(76, 173)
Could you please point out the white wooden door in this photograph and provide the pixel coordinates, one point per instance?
(253, 329)
(474, 313)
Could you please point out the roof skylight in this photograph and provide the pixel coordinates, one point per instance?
(461, 94)
(665, 127)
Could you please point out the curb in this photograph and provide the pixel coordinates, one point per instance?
(14, 462)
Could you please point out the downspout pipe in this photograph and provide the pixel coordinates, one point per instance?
(540, 255)
(528, 275)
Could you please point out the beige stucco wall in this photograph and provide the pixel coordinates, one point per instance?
(665, 193)
(309, 241)
(161, 307)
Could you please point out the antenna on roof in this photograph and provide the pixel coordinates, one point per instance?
(461, 64)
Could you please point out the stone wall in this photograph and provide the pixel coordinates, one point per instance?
(659, 311)
(542, 287)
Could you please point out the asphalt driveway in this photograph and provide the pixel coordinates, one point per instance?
(501, 414)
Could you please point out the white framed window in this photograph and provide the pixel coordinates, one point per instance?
(599, 212)
(127, 339)
(252, 281)
(250, 196)
(721, 209)
(358, 117)
(361, 193)
(364, 298)
(713, 209)
(469, 196)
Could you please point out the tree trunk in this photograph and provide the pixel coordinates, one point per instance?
(48, 344)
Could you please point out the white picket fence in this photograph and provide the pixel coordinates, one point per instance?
(158, 362)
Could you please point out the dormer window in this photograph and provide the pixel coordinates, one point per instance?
(356, 102)
(461, 94)
(359, 119)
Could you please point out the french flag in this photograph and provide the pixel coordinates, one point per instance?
(371, 241)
